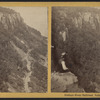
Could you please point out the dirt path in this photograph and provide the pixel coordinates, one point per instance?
(28, 59)
(25, 57)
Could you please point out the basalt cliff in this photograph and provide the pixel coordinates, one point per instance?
(82, 45)
(23, 55)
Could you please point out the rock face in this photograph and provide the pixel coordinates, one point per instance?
(82, 44)
(23, 55)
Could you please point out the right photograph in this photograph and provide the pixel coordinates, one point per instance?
(75, 50)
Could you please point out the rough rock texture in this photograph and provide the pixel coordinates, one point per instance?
(82, 44)
(23, 55)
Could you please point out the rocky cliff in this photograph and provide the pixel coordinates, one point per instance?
(23, 55)
(82, 44)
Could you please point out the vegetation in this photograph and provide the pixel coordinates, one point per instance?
(13, 66)
(82, 46)
(39, 76)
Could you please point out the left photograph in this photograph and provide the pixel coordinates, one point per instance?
(23, 49)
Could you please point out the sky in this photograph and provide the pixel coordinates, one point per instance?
(35, 17)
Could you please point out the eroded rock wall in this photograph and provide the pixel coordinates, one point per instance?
(82, 43)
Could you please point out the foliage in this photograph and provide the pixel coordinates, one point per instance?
(82, 46)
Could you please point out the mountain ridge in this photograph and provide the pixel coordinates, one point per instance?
(21, 46)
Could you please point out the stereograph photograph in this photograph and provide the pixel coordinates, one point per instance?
(23, 49)
(75, 49)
